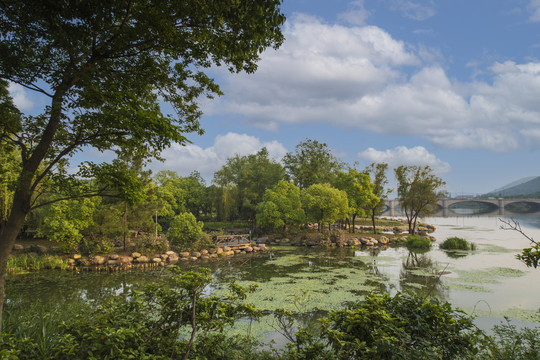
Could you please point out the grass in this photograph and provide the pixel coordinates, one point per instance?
(418, 242)
(456, 243)
(32, 262)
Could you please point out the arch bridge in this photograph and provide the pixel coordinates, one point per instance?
(498, 204)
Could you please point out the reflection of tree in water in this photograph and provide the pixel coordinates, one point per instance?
(420, 274)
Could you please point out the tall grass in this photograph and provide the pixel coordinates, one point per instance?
(418, 242)
(35, 262)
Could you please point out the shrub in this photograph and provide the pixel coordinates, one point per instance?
(418, 242)
(149, 244)
(96, 244)
(184, 230)
(508, 343)
(405, 326)
(456, 243)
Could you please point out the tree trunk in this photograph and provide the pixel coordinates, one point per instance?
(373, 221)
(353, 218)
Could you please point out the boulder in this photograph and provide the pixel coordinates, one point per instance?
(365, 241)
(170, 252)
(111, 262)
(236, 251)
(204, 252)
(384, 240)
(228, 253)
(135, 255)
(141, 259)
(256, 248)
(156, 260)
(71, 262)
(213, 255)
(114, 257)
(43, 249)
(226, 248)
(248, 249)
(219, 251)
(184, 254)
(99, 260)
(124, 260)
(194, 258)
(212, 251)
(77, 256)
(172, 259)
(205, 257)
(196, 254)
(18, 247)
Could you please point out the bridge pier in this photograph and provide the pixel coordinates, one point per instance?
(501, 207)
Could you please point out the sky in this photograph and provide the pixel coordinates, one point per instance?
(453, 84)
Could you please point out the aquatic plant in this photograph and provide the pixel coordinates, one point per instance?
(456, 243)
(416, 242)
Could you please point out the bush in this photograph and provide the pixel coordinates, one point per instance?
(184, 230)
(405, 326)
(149, 244)
(456, 243)
(418, 242)
(96, 244)
(508, 343)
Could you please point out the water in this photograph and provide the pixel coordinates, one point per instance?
(489, 282)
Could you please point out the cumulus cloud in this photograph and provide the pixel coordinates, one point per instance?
(402, 155)
(360, 77)
(185, 159)
(20, 97)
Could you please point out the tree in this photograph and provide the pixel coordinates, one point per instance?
(104, 66)
(281, 207)
(529, 256)
(184, 229)
(419, 191)
(377, 173)
(252, 175)
(311, 163)
(359, 190)
(324, 204)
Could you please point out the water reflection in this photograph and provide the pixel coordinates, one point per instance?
(421, 274)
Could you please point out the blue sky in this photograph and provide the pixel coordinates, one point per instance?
(450, 84)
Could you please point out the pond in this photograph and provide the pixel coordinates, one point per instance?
(488, 282)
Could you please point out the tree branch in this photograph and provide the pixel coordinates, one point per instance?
(515, 226)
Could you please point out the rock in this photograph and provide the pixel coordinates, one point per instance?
(156, 260)
(71, 262)
(212, 251)
(374, 242)
(184, 254)
(172, 259)
(236, 251)
(135, 255)
(219, 251)
(248, 249)
(141, 259)
(431, 228)
(111, 262)
(256, 248)
(384, 240)
(228, 253)
(204, 252)
(364, 241)
(184, 259)
(43, 249)
(261, 240)
(17, 247)
(205, 257)
(170, 252)
(285, 241)
(226, 248)
(124, 260)
(99, 260)
(213, 255)
(114, 257)
(194, 258)
(196, 254)
(163, 257)
(77, 256)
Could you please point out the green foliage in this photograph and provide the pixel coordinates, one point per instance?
(418, 191)
(401, 327)
(324, 204)
(418, 242)
(509, 343)
(65, 221)
(312, 163)
(377, 172)
(281, 207)
(456, 243)
(184, 230)
(96, 244)
(149, 244)
(244, 180)
(35, 262)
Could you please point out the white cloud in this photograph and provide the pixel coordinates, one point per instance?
(357, 15)
(20, 97)
(417, 10)
(185, 159)
(362, 78)
(402, 155)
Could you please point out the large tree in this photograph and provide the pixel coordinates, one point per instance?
(418, 191)
(359, 190)
(324, 204)
(281, 207)
(311, 163)
(104, 67)
(252, 175)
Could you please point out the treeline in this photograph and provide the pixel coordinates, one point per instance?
(310, 185)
